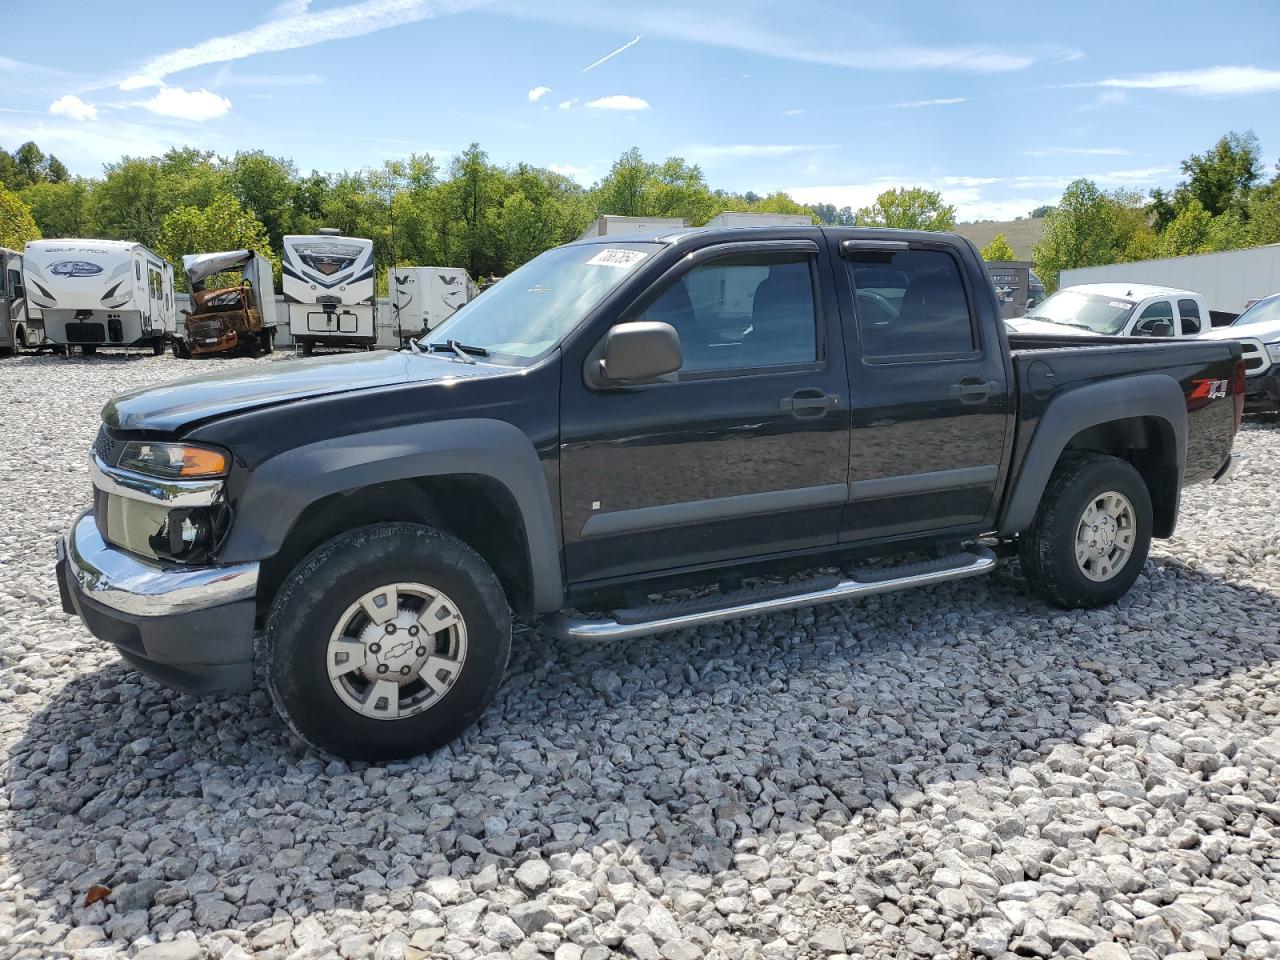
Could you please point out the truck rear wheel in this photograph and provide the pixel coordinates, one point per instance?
(1091, 534)
(180, 348)
(157, 346)
(386, 642)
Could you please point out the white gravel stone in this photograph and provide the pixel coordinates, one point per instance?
(956, 771)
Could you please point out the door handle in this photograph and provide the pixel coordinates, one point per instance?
(808, 403)
(973, 390)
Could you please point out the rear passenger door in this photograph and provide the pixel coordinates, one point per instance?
(930, 403)
(1189, 318)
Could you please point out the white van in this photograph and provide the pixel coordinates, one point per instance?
(101, 293)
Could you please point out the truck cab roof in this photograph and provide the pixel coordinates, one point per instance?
(1131, 291)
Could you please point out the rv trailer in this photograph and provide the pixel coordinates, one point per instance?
(100, 293)
(21, 326)
(230, 315)
(422, 298)
(329, 290)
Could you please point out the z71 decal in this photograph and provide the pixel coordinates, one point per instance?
(1209, 390)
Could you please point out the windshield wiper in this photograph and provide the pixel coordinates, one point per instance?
(463, 350)
(1060, 323)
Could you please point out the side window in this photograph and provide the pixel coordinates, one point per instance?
(910, 303)
(742, 312)
(1189, 312)
(15, 281)
(1156, 320)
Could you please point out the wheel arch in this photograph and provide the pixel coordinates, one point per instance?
(1151, 434)
(480, 480)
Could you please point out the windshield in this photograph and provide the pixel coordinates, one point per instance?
(1088, 311)
(1264, 311)
(525, 313)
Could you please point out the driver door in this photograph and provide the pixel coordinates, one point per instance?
(1155, 320)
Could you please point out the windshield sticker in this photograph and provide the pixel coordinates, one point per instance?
(1120, 304)
(617, 258)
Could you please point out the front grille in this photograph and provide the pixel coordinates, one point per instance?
(1254, 356)
(205, 329)
(104, 446)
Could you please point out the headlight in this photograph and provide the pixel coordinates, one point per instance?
(1273, 351)
(174, 461)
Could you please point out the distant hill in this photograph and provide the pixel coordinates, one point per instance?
(1021, 234)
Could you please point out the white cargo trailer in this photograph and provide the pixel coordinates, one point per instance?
(100, 293)
(328, 282)
(21, 325)
(1228, 281)
(422, 298)
(614, 225)
(734, 218)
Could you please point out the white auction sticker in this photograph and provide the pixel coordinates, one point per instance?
(618, 258)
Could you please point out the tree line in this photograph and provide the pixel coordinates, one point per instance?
(491, 218)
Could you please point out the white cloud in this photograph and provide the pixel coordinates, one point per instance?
(726, 151)
(292, 31)
(846, 39)
(69, 105)
(288, 8)
(795, 112)
(619, 101)
(567, 169)
(226, 77)
(537, 93)
(936, 102)
(568, 104)
(187, 104)
(979, 197)
(1078, 152)
(611, 55)
(1207, 82)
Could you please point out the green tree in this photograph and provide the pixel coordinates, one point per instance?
(1091, 227)
(634, 187)
(911, 208)
(998, 249)
(127, 204)
(222, 225)
(17, 226)
(61, 209)
(1195, 230)
(1220, 180)
(264, 185)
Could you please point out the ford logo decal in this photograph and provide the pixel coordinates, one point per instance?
(75, 268)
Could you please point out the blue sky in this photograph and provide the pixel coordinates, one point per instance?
(829, 101)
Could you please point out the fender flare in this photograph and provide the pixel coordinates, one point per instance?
(278, 491)
(1148, 395)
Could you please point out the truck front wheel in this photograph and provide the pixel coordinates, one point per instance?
(1091, 534)
(386, 642)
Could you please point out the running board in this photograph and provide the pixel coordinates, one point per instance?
(659, 618)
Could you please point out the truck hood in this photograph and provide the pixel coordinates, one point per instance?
(1044, 329)
(1268, 332)
(176, 405)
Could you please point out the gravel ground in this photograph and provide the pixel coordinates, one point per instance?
(952, 772)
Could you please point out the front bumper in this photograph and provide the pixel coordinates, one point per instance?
(190, 627)
(1264, 389)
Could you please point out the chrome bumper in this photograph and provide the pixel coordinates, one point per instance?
(123, 582)
(1228, 469)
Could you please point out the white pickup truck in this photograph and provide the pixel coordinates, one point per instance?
(1258, 330)
(1117, 310)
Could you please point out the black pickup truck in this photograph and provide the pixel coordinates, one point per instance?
(617, 419)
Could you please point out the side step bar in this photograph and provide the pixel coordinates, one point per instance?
(659, 618)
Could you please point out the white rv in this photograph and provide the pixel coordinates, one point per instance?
(422, 298)
(329, 290)
(101, 293)
(21, 326)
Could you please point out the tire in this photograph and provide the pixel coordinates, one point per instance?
(312, 619)
(308, 348)
(88, 350)
(1091, 571)
(157, 347)
(180, 349)
(267, 341)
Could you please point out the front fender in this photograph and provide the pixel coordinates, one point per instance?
(277, 492)
(1148, 395)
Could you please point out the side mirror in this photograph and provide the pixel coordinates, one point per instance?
(640, 351)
